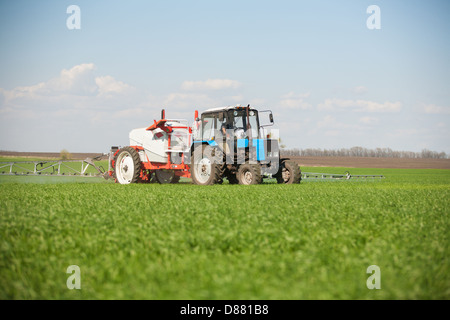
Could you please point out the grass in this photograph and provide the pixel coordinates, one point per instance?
(148, 241)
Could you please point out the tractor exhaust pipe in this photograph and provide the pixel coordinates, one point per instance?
(249, 128)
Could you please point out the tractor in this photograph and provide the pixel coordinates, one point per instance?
(223, 143)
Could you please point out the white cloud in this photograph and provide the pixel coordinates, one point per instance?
(75, 88)
(433, 109)
(399, 133)
(210, 84)
(79, 80)
(130, 113)
(331, 126)
(78, 109)
(77, 83)
(295, 101)
(188, 101)
(79, 88)
(237, 98)
(256, 102)
(108, 85)
(359, 90)
(359, 105)
(332, 123)
(328, 120)
(368, 120)
(214, 98)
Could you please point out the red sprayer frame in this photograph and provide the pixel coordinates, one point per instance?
(148, 167)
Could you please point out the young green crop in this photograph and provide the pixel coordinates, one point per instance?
(149, 241)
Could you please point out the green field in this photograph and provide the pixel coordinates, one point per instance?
(149, 241)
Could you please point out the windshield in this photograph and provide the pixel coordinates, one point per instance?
(240, 121)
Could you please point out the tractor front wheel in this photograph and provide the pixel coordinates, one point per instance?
(127, 166)
(205, 169)
(249, 174)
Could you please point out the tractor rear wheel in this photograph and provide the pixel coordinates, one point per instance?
(127, 166)
(249, 174)
(289, 173)
(205, 169)
(166, 176)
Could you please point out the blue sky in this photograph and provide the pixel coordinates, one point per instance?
(330, 81)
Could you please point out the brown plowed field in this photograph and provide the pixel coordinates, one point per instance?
(349, 162)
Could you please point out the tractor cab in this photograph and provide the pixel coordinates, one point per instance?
(227, 123)
(230, 143)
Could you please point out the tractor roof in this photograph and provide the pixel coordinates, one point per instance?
(225, 108)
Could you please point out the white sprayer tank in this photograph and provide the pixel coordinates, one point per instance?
(156, 142)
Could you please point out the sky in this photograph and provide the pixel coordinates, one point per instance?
(330, 80)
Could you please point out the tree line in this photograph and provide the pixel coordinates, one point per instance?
(364, 152)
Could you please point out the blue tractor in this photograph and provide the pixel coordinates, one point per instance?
(230, 143)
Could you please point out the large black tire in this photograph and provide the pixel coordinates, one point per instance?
(289, 173)
(249, 174)
(166, 176)
(205, 166)
(127, 166)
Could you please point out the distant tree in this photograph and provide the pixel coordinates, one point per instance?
(442, 155)
(65, 155)
(362, 152)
